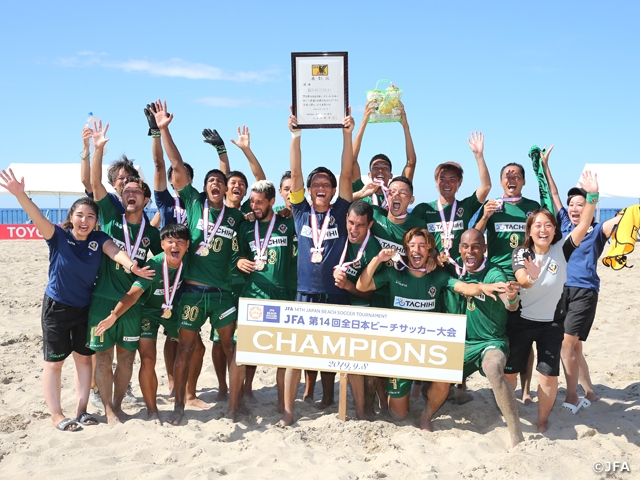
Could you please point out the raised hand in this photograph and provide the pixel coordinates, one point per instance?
(244, 138)
(213, 138)
(348, 122)
(86, 136)
(403, 119)
(476, 142)
(293, 122)
(99, 135)
(369, 108)
(9, 181)
(589, 181)
(490, 208)
(544, 154)
(161, 114)
(532, 267)
(386, 254)
(150, 112)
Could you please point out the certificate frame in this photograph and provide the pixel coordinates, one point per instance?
(319, 99)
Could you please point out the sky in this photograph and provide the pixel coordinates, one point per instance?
(524, 73)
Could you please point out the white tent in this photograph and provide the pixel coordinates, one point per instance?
(621, 180)
(57, 179)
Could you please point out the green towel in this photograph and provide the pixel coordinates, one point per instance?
(545, 196)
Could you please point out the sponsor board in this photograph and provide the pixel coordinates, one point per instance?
(19, 232)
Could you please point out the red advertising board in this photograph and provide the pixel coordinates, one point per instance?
(19, 232)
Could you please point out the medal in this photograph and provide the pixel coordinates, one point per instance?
(506, 199)
(169, 291)
(318, 237)
(262, 245)
(446, 237)
(396, 258)
(385, 193)
(446, 241)
(344, 265)
(132, 251)
(205, 245)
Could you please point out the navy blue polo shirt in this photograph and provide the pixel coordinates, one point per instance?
(166, 206)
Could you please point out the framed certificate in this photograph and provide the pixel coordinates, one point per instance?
(320, 88)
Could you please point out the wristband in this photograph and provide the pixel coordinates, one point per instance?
(296, 134)
(593, 198)
(511, 302)
(85, 158)
(531, 280)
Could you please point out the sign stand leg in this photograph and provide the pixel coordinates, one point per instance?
(342, 401)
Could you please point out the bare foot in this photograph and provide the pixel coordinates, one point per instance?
(425, 421)
(526, 398)
(234, 414)
(286, 420)
(459, 396)
(543, 426)
(196, 402)
(222, 393)
(308, 399)
(325, 403)
(250, 398)
(154, 417)
(123, 417)
(591, 396)
(112, 419)
(363, 416)
(175, 417)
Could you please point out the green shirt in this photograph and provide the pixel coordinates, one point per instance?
(389, 234)
(465, 209)
(215, 268)
(505, 231)
(112, 281)
(408, 292)
(153, 297)
(355, 270)
(280, 253)
(293, 270)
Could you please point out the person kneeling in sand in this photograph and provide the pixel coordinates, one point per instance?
(155, 308)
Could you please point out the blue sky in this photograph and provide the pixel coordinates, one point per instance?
(540, 73)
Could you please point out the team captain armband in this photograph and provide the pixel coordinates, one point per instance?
(592, 197)
(297, 197)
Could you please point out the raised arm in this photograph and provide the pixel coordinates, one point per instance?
(365, 282)
(163, 119)
(473, 289)
(356, 173)
(410, 167)
(16, 188)
(213, 138)
(553, 189)
(589, 182)
(295, 155)
(99, 141)
(347, 158)
(85, 157)
(488, 209)
(476, 144)
(160, 172)
(244, 144)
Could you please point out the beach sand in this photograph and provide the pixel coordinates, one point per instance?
(470, 441)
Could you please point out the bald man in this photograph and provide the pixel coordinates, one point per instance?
(486, 345)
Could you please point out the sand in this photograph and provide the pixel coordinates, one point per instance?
(470, 441)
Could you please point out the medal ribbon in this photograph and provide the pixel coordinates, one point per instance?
(447, 227)
(127, 241)
(461, 271)
(261, 245)
(179, 212)
(206, 243)
(342, 265)
(168, 297)
(397, 258)
(385, 192)
(318, 238)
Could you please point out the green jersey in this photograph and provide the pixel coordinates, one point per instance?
(213, 269)
(280, 253)
(505, 231)
(464, 211)
(486, 317)
(389, 234)
(113, 282)
(293, 270)
(408, 292)
(153, 296)
(359, 185)
(355, 269)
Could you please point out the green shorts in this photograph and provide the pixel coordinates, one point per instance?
(151, 324)
(267, 292)
(474, 352)
(196, 307)
(216, 338)
(125, 332)
(398, 387)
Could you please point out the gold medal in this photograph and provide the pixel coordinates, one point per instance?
(316, 257)
(166, 314)
(396, 257)
(203, 251)
(446, 242)
(259, 264)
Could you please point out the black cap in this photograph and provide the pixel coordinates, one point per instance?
(575, 191)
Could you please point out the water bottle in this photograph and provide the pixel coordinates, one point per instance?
(89, 123)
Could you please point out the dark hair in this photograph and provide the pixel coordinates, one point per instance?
(236, 173)
(448, 167)
(189, 171)
(175, 230)
(81, 201)
(528, 241)
(285, 176)
(512, 164)
(380, 156)
(216, 172)
(141, 183)
(326, 171)
(402, 179)
(115, 167)
(266, 187)
(418, 232)
(361, 208)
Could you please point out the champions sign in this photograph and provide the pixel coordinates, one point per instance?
(362, 340)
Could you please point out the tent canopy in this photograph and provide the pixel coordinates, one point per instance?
(57, 179)
(617, 179)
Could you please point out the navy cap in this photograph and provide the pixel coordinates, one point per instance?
(576, 191)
